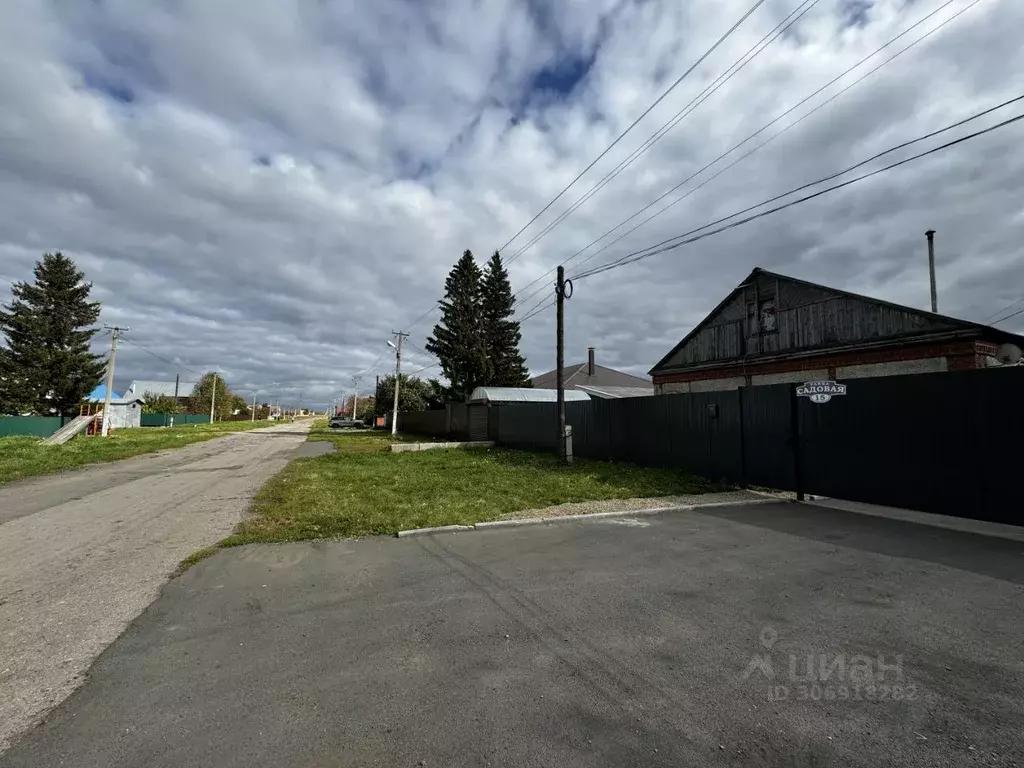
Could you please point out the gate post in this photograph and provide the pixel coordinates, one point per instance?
(794, 439)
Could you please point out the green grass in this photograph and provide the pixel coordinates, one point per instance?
(363, 489)
(195, 557)
(22, 457)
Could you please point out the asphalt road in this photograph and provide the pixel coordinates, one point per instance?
(84, 553)
(630, 642)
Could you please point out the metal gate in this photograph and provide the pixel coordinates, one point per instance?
(477, 423)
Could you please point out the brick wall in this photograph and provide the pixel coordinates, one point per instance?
(952, 356)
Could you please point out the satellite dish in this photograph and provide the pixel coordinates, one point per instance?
(1008, 354)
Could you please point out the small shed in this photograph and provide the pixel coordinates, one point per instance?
(125, 412)
(510, 395)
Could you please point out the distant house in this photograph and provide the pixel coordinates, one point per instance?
(774, 329)
(181, 390)
(596, 380)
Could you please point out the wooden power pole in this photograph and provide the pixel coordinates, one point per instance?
(563, 291)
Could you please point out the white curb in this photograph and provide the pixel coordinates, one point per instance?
(437, 529)
(495, 524)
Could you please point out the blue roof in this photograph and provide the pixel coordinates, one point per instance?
(100, 393)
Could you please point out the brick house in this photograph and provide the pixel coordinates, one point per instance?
(774, 329)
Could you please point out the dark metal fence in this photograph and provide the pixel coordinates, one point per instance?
(424, 423)
(944, 442)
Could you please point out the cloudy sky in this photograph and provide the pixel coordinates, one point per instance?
(270, 187)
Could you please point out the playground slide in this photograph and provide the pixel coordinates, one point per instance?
(70, 429)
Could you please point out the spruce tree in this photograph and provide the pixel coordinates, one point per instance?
(47, 365)
(501, 332)
(458, 340)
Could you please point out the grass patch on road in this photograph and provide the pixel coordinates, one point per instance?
(363, 489)
(22, 457)
(195, 557)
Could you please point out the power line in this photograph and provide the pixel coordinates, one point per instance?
(632, 125)
(998, 312)
(550, 303)
(679, 116)
(622, 135)
(754, 135)
(862, 163)
(685, 238)
(1008, 317)
(176, 363)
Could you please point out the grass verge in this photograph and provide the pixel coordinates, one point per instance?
(363, 489)
(22, 457)
(195, 557)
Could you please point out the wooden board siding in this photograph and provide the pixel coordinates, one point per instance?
(807, 318)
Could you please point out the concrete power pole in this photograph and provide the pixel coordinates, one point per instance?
(930, 234)
(213, 397)
(116, 330)
(253, 407)
(398, 376)
(355, 396)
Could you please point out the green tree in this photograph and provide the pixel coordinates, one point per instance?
(160, 404)
(239, 406)
(46, 364)
(458, 340)
(199, 400)
(413, 395)
(501, 333)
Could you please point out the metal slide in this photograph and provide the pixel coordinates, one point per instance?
(71, 429)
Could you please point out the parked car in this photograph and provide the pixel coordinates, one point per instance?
(344, 422)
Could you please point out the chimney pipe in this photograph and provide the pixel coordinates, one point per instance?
(590, 361)
(930, 234)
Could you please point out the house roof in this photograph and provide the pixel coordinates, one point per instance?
(141, 387)
(522, 395)
(100, 393)
(576, 376)
(954, 324)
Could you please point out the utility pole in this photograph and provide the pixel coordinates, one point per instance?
(563, 291)
(177, 381)
(213, 396)
(930, 234)
(115, 332)
(355, 396)
(253, 407)
(398, 376)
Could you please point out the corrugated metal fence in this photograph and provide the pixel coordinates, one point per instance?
(173, 419)
(947, 443)
(31, 426)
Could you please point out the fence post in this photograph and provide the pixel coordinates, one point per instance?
(794, 438)
(743, 442)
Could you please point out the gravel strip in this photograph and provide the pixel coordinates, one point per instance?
(628, 505)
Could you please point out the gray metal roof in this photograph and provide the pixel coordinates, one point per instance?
(141, 388)
(577, 376)
(522, 395)
(612, 393)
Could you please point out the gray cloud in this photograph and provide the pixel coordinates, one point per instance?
(269, 190)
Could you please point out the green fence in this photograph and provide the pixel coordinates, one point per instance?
(173, 419)
(30, 426)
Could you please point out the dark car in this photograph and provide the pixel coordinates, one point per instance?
(344, 422)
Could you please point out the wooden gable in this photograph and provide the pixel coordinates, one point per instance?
(769, 315)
